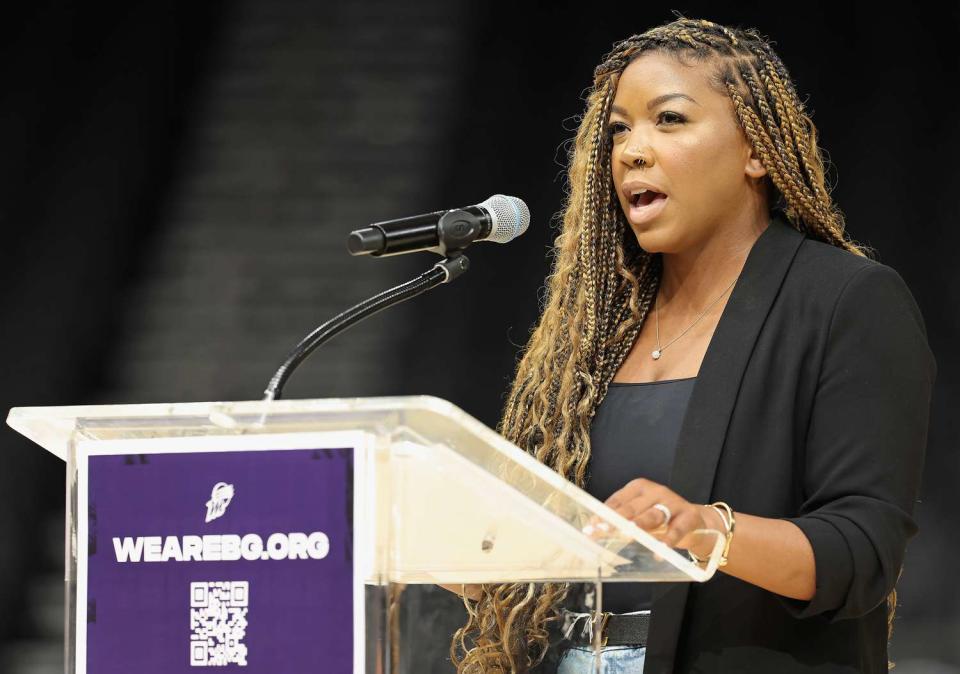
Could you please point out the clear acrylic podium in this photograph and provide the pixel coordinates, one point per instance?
(247, 533)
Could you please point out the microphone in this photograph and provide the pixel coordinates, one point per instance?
(498, 219)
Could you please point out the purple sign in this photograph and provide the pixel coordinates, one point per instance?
(235, 559)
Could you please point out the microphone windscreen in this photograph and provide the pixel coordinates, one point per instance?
(510, 217)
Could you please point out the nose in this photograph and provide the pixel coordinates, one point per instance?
(637, 155)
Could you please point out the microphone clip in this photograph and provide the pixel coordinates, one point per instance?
(456, 230)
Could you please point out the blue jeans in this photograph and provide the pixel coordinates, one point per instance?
(613, 660)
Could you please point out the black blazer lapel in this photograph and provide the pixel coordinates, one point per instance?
(704, 427)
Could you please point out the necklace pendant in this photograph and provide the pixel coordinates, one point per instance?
(656, 354)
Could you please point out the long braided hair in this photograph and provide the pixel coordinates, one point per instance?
(602, 285)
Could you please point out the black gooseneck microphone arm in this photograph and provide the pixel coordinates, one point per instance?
(442, 272)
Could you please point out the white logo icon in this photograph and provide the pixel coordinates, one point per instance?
(220, 498)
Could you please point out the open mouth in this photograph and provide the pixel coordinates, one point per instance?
(645, 198)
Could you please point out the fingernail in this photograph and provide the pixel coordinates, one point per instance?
(603, 526)
(588, 529)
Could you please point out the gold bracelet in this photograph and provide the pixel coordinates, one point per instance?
(730, 522)
(726, 516)
(694, 556)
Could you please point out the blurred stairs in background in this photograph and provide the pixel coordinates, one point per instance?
(321, 118)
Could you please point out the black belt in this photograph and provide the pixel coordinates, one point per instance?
(617, 630)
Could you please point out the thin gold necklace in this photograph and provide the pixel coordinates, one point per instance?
(656, 304)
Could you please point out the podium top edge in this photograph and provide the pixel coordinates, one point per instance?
(166, 408)
(51, 426)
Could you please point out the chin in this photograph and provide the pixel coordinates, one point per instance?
(655, 240)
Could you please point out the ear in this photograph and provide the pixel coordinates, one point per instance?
(753, 167)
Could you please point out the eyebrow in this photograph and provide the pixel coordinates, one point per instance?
(655, 102)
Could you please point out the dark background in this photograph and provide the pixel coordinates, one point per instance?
(176, 183)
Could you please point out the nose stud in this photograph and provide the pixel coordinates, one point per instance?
(639, 161)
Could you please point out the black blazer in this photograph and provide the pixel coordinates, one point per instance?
(811, 405)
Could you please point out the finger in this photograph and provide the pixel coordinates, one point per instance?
(596, 527)
(641, 504)
(631, 490)
(680, 526)
(651, 518)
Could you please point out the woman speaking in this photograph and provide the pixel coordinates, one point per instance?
(715, 352)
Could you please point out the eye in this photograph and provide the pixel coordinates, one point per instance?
(680, 119)
(615, 128)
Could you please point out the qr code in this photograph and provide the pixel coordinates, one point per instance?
(218, 623)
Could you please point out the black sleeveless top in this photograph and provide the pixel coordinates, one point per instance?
(634, 434)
